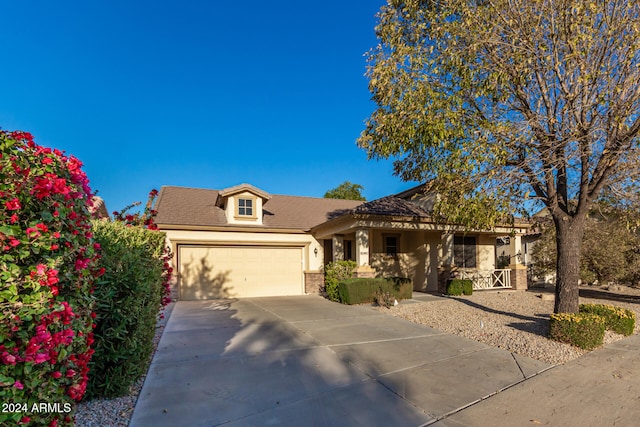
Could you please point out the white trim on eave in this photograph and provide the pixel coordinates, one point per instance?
(257, 229)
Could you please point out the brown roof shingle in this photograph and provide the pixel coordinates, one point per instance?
(182, 206)
(392, 206)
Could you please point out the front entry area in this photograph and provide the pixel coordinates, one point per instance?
(213, 272)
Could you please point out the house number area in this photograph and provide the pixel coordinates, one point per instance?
(39, 407)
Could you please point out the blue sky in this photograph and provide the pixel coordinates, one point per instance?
(205, 94)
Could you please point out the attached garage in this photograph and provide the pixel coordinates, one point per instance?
(243, 242)
(209, 272)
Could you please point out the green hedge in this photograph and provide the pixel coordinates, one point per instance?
(334, 272)
(362, 290)
(616, 319)
(128, 298)
(460, 287)
(584, 330)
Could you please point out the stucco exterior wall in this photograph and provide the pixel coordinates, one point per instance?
(417, 258)
(486, 252)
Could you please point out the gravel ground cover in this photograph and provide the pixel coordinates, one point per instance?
(514, 321)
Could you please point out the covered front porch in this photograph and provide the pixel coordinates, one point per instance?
(427, 253)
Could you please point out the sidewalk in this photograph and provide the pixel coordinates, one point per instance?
(601, 388)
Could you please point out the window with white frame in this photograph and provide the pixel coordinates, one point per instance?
(245, 207)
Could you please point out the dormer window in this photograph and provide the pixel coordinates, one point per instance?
(242, 204)
(245, 207)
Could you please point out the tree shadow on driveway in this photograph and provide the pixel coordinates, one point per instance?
(233, 362)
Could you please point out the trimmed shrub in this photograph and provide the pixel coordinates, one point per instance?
(616, 319)
(363, 290)
(334, 272)
(128, 299)
(48, 265)
(459, 287)
(584, 330)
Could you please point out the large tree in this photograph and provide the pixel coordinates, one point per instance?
(347, 191)
(504, 103)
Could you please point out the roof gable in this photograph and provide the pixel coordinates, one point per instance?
(242, 188)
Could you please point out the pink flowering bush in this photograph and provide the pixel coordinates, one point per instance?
(48, 265)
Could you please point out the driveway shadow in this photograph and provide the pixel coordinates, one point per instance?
(237, 363)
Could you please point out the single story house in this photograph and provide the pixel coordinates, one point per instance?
(244, 242)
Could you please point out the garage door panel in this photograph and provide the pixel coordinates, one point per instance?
(201, 277)
(239, 271)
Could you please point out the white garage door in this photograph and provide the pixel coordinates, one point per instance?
(209, 272)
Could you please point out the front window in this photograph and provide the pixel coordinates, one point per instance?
(464, 251)
(348, 250)
(245, 207)
(391, 245)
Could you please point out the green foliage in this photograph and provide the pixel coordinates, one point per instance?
(479, 99)
(48, 266)
(363, 290)
(610, 248)
(616, 319)
(584, 330)
(334, 272)
(460, 287)
(129, 297)
(347, 191)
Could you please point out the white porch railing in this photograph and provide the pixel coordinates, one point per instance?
(487, 279)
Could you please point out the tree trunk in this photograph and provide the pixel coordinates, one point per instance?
(569, 232)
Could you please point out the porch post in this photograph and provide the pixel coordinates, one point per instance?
(362, 247)
(518, 270)
(446, 257)
(338, 247)
(362, 254)
(446, 261)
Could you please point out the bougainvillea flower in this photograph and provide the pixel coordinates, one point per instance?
(32, 232)
(13, 204)
(41, 358)
(8, 359)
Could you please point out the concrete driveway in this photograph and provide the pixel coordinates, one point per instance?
(307, 361)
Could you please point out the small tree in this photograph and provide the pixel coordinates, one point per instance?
(347, 191)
